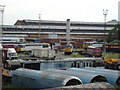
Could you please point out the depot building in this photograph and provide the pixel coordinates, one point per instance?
(52, 31)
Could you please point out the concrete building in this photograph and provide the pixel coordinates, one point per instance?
(30, 29)
(25, 28)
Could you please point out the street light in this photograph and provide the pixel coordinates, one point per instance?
(105, 12)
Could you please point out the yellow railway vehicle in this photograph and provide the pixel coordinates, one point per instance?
(113, 48)
(68, 49)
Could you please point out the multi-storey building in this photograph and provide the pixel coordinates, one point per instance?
(24, 28)
(50, 29)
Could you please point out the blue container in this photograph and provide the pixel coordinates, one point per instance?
(112, 76)
(42, 79)
(85, 77)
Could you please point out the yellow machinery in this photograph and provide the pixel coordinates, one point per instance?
(68, 49)
(86, 44)
(111, 63)
(111, 60)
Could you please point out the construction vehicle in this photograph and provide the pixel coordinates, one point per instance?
(111, 63)
(68, 49)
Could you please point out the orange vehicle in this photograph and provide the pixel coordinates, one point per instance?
(111, 63)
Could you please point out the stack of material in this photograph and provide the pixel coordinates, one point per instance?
(91, 86)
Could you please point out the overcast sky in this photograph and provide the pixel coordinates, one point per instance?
(75, 10)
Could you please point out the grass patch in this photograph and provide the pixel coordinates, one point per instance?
(117, 87)
(76, 55)
(111, 55)
(12, 87)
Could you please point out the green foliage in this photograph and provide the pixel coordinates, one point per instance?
(117, 87)
(99, 40)
(113, 36)
(114, 41)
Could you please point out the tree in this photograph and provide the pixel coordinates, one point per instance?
(113, 35)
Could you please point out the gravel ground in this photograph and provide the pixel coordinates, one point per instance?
(60, 55)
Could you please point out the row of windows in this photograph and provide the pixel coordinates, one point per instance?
(57, 30)
(81, 64)
(64, 24)
(65, 65)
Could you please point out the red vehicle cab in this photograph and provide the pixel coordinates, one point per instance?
(94, 51)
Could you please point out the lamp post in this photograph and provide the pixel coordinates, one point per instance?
(39, 27)
(105, 12)
(105, 15)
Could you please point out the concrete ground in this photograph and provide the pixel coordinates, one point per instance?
(60, 55)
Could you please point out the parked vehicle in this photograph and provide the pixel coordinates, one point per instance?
(9, 53)
(111, 63)
(30, 46)
(113, 48)
(94, 51)
(43, 53)
(93, 43)
(17, 47)
(68, 49)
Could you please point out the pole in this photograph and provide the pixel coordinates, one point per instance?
(105, 15)
(39, 27)
(68, 31)
(118, 28)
